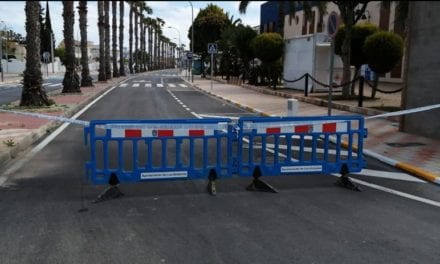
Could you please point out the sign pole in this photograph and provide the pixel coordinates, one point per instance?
(330, 88)
(212, 68)
(332, 29)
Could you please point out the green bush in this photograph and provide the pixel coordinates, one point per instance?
(359, 34)
(383, 51)
(268, 47)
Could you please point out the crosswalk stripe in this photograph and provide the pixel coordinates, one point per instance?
(135, 84)
(123, 85)
(148, 85)
(182, 85)
(171, 85)
(159, 85)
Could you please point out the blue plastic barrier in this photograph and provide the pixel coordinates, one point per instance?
(125, 148)
(151, 150)
(300, 145)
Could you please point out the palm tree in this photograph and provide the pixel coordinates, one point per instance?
(158, 33)
(114, 46)
(102, 73)
(121, 38)
(143, 7)
(86, 79)
(71, 78)
(108, 70)
(130, 40)
(150, 23)
(33, 93)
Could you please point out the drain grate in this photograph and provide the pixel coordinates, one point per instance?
(403, 145)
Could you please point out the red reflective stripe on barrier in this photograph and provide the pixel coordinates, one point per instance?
(329, 128)
(303, 129)
(196, 133)
(165, 133)
(273, 130)
(133, 133)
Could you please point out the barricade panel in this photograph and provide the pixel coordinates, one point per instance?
(138, 150)
(298, 145)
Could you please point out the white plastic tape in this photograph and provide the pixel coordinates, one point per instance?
(48, 117)
(405, 112)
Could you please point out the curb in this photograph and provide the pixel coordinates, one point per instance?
(315, 101)
(46, 129)
(414, 170)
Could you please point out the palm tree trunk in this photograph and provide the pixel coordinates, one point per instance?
(101, 76)
(71, 78)
(121, 39)
(86, 79)
(130, 40)
(114, 41)
(33, 93)
(150, 47)
(136, 38)
(108, 70)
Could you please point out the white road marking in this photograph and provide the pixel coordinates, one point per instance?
(171, 85)
(182, 85)
(46, 84)
(389, 175)
(17, 165)
(398, 193)
(307, 149)
(55, 84)
(148, 85)
(159, 85)
(123, 85)
(135, 84)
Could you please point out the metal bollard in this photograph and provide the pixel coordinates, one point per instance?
(361, 91)
(292, 107)
(306, 87)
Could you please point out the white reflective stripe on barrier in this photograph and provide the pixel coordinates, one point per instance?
(145, 133)
(299, 127)
(195, 126)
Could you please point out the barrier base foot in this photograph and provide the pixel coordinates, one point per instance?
(345, 182)
(211, 184)
(111, 192)
(211, 188)
(261, 186)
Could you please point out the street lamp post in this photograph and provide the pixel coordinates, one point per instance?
(192, 39)
(179, 42)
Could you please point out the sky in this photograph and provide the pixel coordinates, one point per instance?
(176, 14)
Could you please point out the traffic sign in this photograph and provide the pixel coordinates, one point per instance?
(333, 24)
(46, 56)
(212, 48)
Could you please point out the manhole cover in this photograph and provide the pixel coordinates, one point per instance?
(402, 145)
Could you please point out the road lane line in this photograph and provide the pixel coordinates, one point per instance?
(389, 175)
(398, 193)
(55, 84)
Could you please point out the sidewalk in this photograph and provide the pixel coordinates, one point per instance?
(414, 154)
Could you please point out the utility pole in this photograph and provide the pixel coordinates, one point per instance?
(192, 40)
(51, 52)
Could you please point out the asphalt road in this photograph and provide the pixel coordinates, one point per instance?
(310, 220)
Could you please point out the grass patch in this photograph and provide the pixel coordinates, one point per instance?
(51, 108)
(387, 108)
(350, 98)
